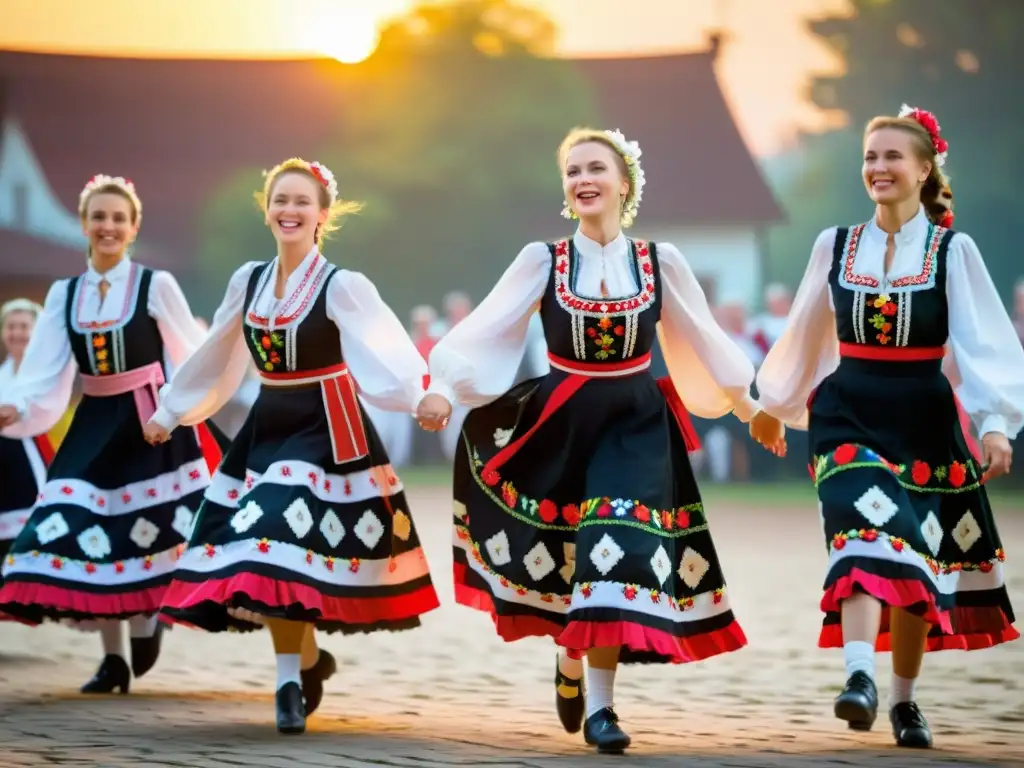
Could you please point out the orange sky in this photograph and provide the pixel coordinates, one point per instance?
(764, 68)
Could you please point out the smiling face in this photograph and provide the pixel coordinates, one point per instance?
(296, 207)
(594, 180)
(110, 222)
(16, 331)
(894, 169)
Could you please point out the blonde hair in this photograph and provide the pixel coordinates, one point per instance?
(19, 305)
(936, 192)
(327, 193)
(627, 156)
(101, 184)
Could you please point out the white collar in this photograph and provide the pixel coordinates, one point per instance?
(588, 248)
(909, 233)
(112, 275)
(304, 265)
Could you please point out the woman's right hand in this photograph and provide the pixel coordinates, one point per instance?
(155, 434)
(433, 412)
(8, 415)
(769, 432)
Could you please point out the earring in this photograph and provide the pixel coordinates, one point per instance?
(567, 212)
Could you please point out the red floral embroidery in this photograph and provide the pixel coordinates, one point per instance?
(194, 474)
(629, 592)
(309, 556)
(126, 497)
(57, 563)
(286, 471)
(547, 511)
(327, 484)
(642, 513)
(571, 514)
(233, 494)
(844, 454)
(329, 563)
(605, 510)
(90, 568)
(985, 567)
(118, 567)
(682, 519)
(957, 474)
(509, 494)
(67, 490)
(869, 535)
(920, 473)
(490, 476)
(264, 546)
(667, 520)
(353, 565)
(147, 564)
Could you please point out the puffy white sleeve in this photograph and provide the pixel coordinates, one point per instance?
(476, 361)
(180, 331)
(211, 375)
(808, 349)
(986, 351)
(708, 369)
(384, 362)
(41, 391)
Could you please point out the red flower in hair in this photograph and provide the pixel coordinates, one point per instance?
(315, 170)
(946, 220)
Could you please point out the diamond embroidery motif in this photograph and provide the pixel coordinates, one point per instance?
(52, 528)
(661, 566)
(497, 548)
(369, 529)
(567, 570)
(876, 507)
(94, 543)
(183, 519)
(538, 562)
(606, 554)
(967, 531)
(692, 568)
(246, 517)
(299, 518)
(332, 529)
(932, 533)
(144, 533)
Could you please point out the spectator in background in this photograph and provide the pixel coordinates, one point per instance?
(768, 326)
(457, 305)
(424, 322)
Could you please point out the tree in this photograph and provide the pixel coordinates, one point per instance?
(959, 59)
(452, 125)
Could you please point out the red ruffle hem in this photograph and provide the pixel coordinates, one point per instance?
(183, 595)
(509, 628)
(975, 628)
(61, 599)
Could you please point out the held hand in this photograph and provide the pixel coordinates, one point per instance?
(769, 432)
(998, 455)
(8, 415)
(155, 434)
(433, 413)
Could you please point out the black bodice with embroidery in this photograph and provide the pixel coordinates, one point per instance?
(115, 346)
(912, 313)
(275, 347)
(600, 330)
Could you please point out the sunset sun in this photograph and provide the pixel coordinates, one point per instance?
(347, 37)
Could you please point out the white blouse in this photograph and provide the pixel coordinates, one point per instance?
(476, 362)
(42, 390)
(984, 355)
(383, 360)
(7, 374)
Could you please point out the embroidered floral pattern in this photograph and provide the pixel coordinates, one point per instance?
(882, 320)
(956, 477)
(604, 334)
(101, 353)
(598, 307)
(854, 280)
(269, 345)
(897, 544)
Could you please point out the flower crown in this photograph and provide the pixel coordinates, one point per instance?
(927, 120)
(316, 169)
(101, 180)
(630, 152)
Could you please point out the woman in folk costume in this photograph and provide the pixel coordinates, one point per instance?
(576, 511)
(915, 560)
(107, 526)
(24, 460)
(305, 524)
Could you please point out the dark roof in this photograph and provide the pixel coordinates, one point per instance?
(178, 127)
(25, 256)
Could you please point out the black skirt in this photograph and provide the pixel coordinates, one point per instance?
(104, 537)
(905, 516)
(286, 532)
(594, 532)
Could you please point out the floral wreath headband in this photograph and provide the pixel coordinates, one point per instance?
(316, 169)
(101, 180)
(630, 152)
(927, 120)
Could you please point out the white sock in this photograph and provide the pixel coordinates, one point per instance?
(859, 657)
(571, 668)
(600, 689)
(142, 626)
(289, 666)
(901, 690)
(112, 637)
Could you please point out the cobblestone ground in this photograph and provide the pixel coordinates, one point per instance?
(451, 694)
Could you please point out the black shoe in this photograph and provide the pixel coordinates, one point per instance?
(909, 726)
(570, 701)
(291, 713)
(113, 673)
(145, 651)
(313, 680)
(602, 730)
(858, 703)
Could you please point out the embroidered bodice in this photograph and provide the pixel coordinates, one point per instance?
(908, 311)
(596, 329)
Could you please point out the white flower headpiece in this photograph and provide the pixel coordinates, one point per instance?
(928, 121)
(325, 177)
(100, 181)
(630, 152)
(318, 170)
